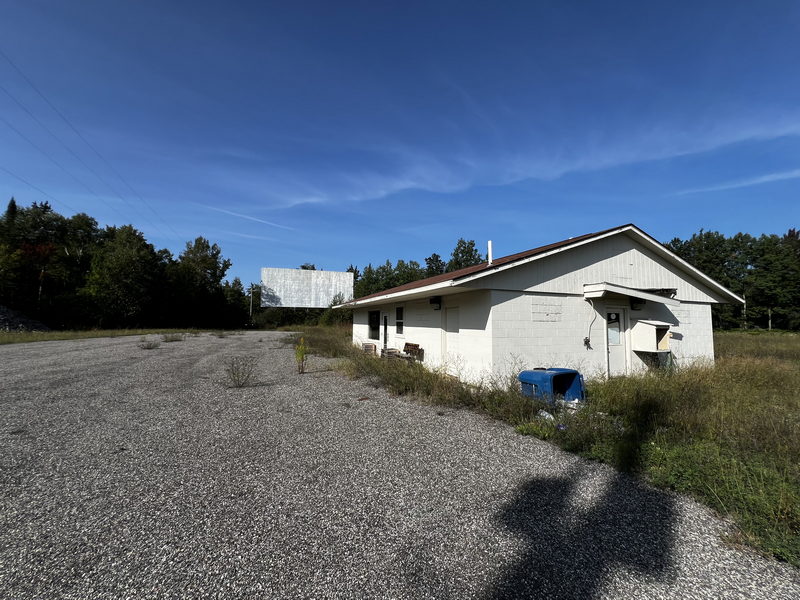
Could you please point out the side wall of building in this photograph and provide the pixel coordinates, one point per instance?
(456, 337)
(692, 334)
(546, 330)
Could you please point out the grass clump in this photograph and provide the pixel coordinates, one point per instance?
(173, 337)
(300, 354)
(240, 370)
(146, 344)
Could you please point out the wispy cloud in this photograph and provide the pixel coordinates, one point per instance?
(248, 217)
(249, 236)
(741, 183)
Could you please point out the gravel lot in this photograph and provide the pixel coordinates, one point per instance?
(135, 473)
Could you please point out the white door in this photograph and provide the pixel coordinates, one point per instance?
(451, 337)
(616, 340)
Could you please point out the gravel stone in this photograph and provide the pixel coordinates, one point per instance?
(139, 473)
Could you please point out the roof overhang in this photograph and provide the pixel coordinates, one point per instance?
(452, 286)
(444, 288)
(599, 290)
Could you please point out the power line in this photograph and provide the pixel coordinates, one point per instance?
(68, 149)
(59, 165)
(38, 189)
(88, 144)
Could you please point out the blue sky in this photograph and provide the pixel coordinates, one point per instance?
(355, 132)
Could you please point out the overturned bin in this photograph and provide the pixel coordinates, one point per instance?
(553, 385)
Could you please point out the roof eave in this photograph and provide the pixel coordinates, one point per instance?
(383, 298)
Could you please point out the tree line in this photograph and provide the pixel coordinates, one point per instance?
(763, 270)
(69, 273)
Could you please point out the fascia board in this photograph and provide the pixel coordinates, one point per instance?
(422, 291)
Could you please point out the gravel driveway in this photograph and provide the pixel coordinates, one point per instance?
(134, 473)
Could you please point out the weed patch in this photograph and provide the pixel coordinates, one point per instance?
(173, 337)
(240, 370)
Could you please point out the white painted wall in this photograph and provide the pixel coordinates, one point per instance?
(539, 330)
(425, 326)
(692, 334)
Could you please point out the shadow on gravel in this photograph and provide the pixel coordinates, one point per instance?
(570, 549)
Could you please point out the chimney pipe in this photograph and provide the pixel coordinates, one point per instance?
(489, 256)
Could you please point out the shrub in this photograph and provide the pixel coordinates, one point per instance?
(173, 337)
(146, 344)
(240, 370)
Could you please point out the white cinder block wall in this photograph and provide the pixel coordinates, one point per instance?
(537, 330)
(693, 337)
(425, 326)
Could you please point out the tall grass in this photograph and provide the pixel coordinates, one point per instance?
(725, 433)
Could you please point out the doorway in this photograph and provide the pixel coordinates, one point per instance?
(617, 340)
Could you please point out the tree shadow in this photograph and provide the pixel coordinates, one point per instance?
(570, 548)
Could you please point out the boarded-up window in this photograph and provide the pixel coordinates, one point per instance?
(544, 309)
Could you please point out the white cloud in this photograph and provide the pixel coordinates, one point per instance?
(248, 217)
(732, 185)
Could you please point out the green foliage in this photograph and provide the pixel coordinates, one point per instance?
(240, 370)
(337, 316)
(123, 278)
(541, 428)
(434, 265)
(300, 354)
(68, 273)
(386, 276)
(765, 271)
(465, 254)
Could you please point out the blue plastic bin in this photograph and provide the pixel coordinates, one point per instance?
(553, 384)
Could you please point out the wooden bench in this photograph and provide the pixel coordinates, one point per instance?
(413, 352)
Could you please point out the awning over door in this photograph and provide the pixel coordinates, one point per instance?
(599, 290)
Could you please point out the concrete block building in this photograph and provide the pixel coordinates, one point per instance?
(606, 303)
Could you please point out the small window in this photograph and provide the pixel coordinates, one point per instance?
(612, 322)
(398, 320)
(374, 322)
